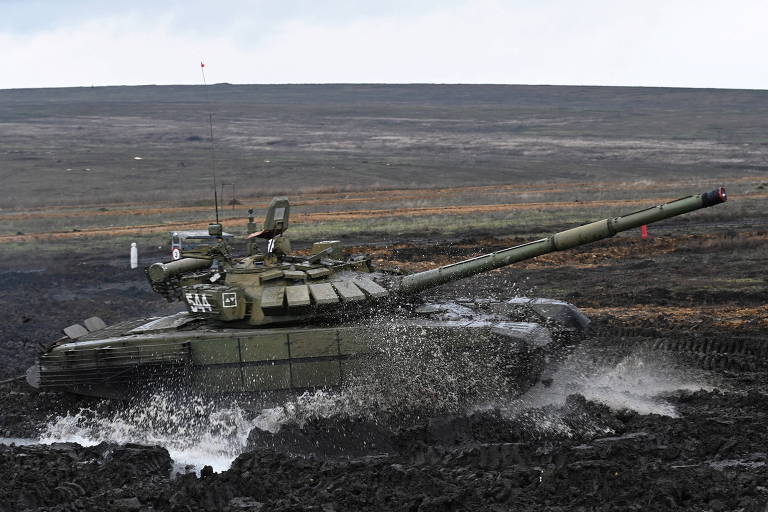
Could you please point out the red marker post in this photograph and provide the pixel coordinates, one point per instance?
(644, 232)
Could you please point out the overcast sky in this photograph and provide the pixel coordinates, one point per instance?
(54, 43)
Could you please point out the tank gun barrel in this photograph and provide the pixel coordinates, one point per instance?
(560, 241)
(159, 272)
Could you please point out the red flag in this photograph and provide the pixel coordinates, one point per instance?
(202, 65)
(644, 232)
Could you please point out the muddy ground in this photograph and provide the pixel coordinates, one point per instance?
(662, 407)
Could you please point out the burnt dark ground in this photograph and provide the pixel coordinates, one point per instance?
(711, 457)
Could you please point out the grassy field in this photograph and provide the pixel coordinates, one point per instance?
(393, 214)
(80, 146)
(85, 167)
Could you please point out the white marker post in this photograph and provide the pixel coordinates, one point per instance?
(134, 255)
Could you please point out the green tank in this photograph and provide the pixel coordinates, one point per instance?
(278, 321)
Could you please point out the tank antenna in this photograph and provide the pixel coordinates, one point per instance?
(213, 152)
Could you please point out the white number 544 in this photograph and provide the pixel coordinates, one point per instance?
(198, 303)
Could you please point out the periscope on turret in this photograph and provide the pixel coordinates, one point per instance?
(276, 320)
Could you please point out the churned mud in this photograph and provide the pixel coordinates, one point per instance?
(662, 406)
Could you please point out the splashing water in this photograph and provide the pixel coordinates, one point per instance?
(195, 432)
(420, 377)
(635, 382)
(309, 405)
(423, 370)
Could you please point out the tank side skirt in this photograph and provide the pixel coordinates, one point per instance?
(127, 362)
(278, 362)
(240, 358)
(345, 356)
(124, 373)
(290, 367)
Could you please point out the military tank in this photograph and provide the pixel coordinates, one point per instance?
(278, 321)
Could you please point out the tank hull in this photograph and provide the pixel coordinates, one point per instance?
(167, 354)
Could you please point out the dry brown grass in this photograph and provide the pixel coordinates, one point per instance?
(732, 317)
(93, 222)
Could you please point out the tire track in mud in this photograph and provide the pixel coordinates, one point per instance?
(721, 338)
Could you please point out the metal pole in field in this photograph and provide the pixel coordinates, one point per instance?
(134, 255)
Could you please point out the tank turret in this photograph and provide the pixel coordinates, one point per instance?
(277, 286)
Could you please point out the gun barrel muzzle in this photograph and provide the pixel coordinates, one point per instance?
(717, 196)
